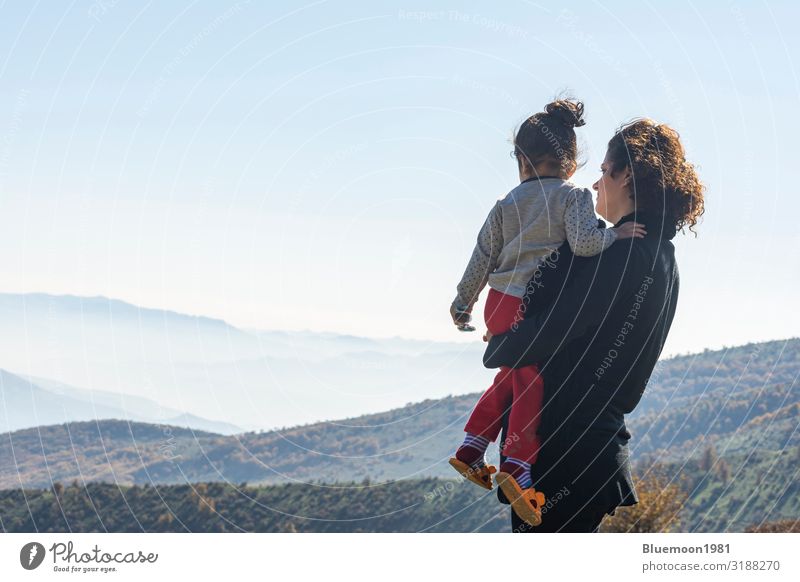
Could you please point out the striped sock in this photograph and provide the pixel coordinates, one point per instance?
(520, 470)
(472, 450)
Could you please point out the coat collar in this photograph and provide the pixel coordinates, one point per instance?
(656, 224)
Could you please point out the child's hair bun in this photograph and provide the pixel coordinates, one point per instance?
(567, 112)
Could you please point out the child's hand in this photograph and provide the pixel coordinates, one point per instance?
(630, 230)
(458, 317)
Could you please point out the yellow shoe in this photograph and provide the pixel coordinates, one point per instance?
(482, 476)
(526, 503)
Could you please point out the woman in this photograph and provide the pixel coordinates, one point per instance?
(543, 211)
(596, 327)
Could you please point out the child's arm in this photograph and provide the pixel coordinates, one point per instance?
(584, 237)
(483, 260)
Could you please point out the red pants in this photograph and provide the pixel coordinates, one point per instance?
(519, 389)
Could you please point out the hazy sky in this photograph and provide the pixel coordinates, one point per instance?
(327, 166)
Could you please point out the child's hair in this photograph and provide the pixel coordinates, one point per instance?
(663, 180)
(549, 136)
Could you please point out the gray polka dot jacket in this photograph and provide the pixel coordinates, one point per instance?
(524, 228)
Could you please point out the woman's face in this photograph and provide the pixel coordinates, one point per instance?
(613, 199)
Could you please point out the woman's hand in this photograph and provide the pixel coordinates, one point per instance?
(487, 336)
(630, 230)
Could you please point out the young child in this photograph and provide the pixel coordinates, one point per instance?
(520, 233)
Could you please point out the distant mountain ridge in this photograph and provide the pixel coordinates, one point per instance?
(31, 402)
(87, 305)
(207, 368)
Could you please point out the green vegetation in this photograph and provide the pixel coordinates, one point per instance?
(723, 425)
(740, 491)
(691, 499)
(660, 509)
(435, 505)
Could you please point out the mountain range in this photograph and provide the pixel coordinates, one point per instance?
(738, 399)
(31, 402)
(98, 391)
(209, 369)
(724, 422)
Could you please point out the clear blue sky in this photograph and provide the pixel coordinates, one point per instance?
(327, 166)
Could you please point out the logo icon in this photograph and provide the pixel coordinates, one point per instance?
(31, 555)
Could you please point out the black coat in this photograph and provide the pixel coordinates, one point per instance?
(596, 327)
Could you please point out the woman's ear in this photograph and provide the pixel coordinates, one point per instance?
(627, 177)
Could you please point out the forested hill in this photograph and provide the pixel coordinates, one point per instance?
(739, 405)
(739, 399)
(415, 505)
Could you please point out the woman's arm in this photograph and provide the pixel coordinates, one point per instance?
(593, 285)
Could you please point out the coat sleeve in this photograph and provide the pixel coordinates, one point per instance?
(483, 261)
(584, 303)
(583, 235)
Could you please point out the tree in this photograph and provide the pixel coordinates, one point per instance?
(660, 503)
(709, 458)
(782, 526)
(724, 471)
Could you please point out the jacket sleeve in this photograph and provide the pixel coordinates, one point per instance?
(483, 260)
(584, 303)
(584, 237)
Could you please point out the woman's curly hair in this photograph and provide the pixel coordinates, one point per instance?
(663, 181)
